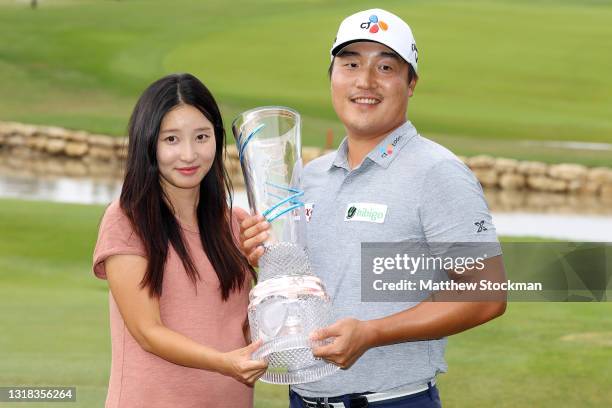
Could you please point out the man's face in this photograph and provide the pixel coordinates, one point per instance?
(370, 89)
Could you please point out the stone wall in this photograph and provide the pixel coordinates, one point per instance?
(78, 153)
(49, 150)
(566, 178)
(56, 141)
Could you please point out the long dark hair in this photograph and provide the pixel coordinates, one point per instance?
(144, 203)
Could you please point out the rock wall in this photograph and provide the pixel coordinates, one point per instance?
(55, 150)
(566, 178)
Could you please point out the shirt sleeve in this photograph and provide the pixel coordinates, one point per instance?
(454, 208)
(116, 236)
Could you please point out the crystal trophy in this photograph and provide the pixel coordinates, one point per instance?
(289, 301)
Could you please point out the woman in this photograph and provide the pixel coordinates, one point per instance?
(178, 283)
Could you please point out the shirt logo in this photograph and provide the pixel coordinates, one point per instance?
(388, 150)
(373, 24)
(308, 207)
(365, 212)
(480, 226)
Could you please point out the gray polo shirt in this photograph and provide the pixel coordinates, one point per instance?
(407, 188)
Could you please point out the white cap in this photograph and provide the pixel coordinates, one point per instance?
(379, 26)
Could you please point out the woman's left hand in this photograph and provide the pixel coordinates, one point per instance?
(239, 365)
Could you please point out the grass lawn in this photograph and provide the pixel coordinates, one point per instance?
(492, 72)
(54, 328)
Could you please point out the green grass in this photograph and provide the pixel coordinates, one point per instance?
(492, 72)
(54, 327)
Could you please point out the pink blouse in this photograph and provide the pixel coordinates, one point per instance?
(141, 379)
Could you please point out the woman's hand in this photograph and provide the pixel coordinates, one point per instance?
(238, 364)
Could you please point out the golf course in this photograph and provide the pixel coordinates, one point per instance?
(492, 73)
(55, 328)
(500, 77)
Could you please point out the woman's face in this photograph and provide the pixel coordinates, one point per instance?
(185, 148)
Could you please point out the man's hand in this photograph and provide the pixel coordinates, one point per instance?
(253, 233)
(351, 338)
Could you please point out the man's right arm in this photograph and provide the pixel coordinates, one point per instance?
(253, 233)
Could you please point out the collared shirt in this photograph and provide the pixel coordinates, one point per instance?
(406, 188)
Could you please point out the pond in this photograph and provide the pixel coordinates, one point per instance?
(519, 214)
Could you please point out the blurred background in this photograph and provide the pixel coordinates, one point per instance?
(516, 88)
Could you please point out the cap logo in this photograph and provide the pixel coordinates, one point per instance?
(374, 24)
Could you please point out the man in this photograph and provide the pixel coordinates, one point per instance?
(390, 352)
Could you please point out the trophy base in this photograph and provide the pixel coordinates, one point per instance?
(290, 361)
